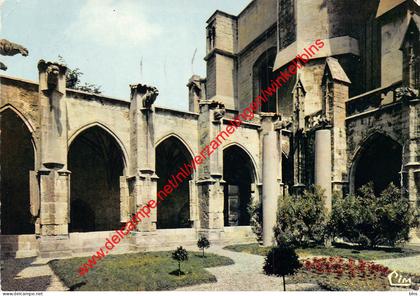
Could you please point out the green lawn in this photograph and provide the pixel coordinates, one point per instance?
(341, 250)
(151, 271)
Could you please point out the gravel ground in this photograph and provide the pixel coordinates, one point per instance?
(245, 275)
(404, 264)
(29, 274)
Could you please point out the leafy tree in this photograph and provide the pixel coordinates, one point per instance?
(302, 220)
(281, 261)
(203, 243)
(180, 254)
(73, 79)
(371, 220)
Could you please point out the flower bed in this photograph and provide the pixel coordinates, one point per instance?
(340, 274)
(351, 268)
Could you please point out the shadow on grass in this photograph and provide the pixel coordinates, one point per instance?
(357, 248)
(177, 272)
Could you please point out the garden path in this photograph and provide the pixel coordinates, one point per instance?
(245, 275)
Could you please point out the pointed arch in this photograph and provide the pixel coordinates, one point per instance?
(252, 159)
(107, 130)
(17, 159)
(27, 122)
(171, 154)
(240, 176)
(179, 138)
(377, 159)
(96, 160)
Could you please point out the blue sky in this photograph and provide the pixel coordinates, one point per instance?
(107, 39)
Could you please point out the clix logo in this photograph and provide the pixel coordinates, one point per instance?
(397, 280)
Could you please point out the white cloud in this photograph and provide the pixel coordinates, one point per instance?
(111, 22)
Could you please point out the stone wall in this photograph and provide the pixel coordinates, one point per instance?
(86, 110)
(391, 32)
(258, 17)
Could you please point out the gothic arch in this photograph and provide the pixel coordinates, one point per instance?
(28, 124)
(162, 139)
(381, 165)
(25, 120)
(254, 163)
(239, 173)
(171, 154)
(17, 159)
(83, 128)
(96, 160)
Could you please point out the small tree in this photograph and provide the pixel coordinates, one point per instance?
(281, 261)
(203, 243)
(180, 255)
(73, 79)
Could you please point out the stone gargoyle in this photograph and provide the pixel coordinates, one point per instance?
(150, 97)
(219, 109)
(8, 48)
(319, 121)
(406, 93)
(53, 71)
(283, 123)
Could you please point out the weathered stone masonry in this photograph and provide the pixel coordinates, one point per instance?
(351, 115)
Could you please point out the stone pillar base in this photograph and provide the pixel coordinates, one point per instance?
(54, 247)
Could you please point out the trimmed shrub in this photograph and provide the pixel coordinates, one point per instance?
(281, 261)
(203, 243)
(180, 254)
(302, 220)
(370, 220)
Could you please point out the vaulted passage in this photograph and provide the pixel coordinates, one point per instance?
(96, 162)
(238, 172)
(379, 161)
(174, 212)
(16, 160)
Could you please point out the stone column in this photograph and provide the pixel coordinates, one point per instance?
(409, 95)
(270, 185)
(411, 150)
(142, 182)
(323, 163)
(54, 178)
(209, 182)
